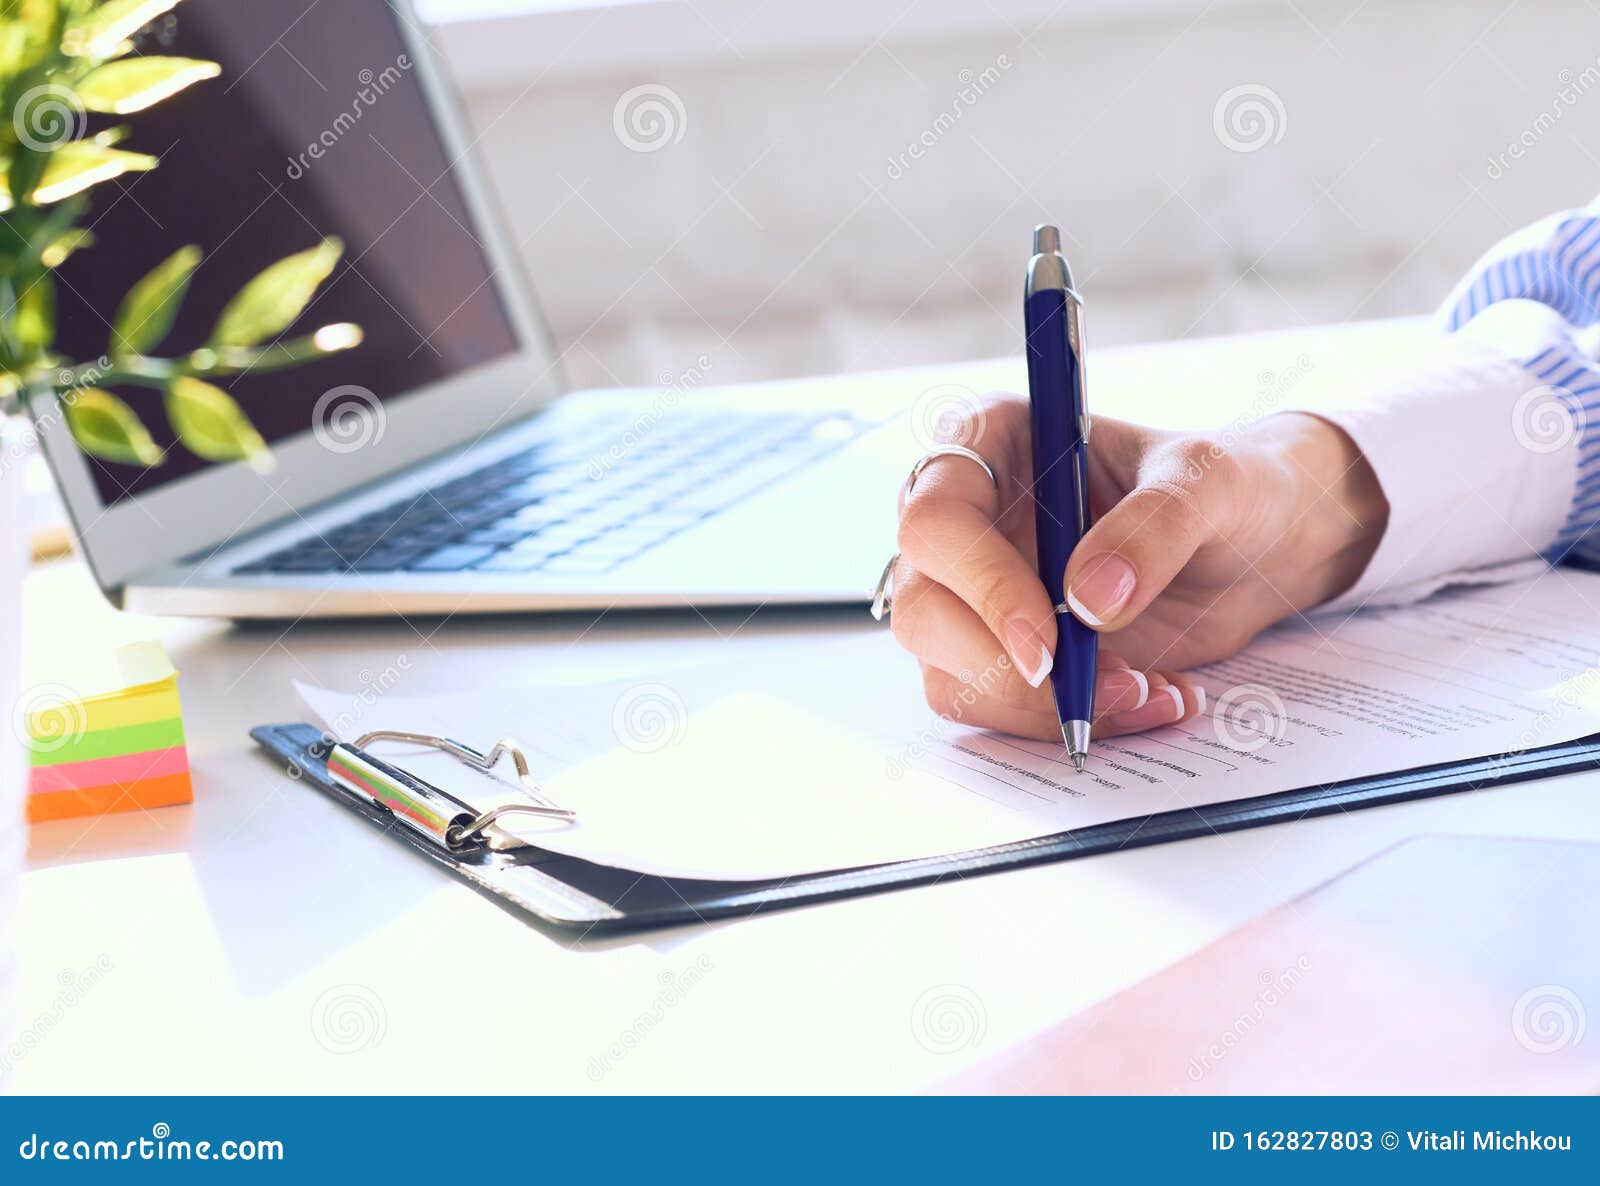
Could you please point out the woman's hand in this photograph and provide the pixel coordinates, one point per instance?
(1197, 546)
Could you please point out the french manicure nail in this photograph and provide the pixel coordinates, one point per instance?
(1102, 590)
(1118, 684)
(1027, 651)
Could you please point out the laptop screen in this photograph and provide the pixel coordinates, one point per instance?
(316, 126)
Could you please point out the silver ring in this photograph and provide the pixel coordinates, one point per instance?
(949, 451)
(883, 594)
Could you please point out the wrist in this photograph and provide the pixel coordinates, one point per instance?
(1339, 509)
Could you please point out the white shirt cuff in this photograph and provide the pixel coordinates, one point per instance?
(1479, 473)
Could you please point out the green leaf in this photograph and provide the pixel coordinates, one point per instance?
(106, 427)
(102, 32)
(60, 249)
(269, 304)
(33, 320)
(75, 167)
(121, 88)
(147, 311)
(211, 425)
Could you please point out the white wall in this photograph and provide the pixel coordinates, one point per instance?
(774, 237)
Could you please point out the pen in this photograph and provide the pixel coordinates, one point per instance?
(1052, 316)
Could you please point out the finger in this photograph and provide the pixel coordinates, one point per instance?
(1187, 495)
(955, 701)
(1165, 706)
(956, 544)
(940, 629)
(1194, 696)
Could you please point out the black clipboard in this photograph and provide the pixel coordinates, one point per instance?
(570, 892)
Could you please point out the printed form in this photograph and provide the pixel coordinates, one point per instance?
(700, 774)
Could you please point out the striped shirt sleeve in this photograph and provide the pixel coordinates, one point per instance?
(1532, 297)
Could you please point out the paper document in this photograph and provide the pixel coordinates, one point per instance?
(710, 773)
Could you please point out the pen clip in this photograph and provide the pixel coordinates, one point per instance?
(1075, 344)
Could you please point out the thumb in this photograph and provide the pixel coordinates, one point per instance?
(1183, 499)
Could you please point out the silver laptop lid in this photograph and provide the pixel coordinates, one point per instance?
(327, 119)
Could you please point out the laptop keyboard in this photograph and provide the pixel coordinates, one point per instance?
(582, 502)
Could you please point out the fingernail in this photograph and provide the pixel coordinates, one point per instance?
(1200, 698)
(1123, 687)
(1102, 590)
(1027, 651)
(1163, 708)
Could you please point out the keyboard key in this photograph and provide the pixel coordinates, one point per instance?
(452, 559)
(577, 564)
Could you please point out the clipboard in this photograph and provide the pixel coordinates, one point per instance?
(565, 891)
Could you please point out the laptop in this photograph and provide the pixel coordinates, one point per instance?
(440, 467)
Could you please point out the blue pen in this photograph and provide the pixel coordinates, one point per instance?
(1052, 315)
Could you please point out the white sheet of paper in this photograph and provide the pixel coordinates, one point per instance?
(699, 774)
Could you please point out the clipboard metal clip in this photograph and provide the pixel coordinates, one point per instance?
(448, 821)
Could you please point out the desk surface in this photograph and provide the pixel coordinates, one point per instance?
(261, 941)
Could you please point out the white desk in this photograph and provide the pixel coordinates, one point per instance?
(261, 940)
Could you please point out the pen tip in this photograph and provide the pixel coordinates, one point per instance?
(1046, 239)
(1075, 734)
